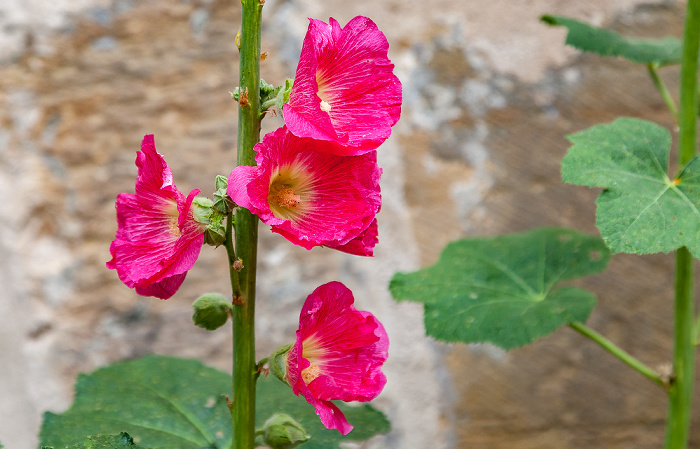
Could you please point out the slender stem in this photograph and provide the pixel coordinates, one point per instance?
(246, 227)
(663, 90)
(618, 352)
(681, 390)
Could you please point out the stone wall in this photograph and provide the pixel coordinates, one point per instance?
(489, 94)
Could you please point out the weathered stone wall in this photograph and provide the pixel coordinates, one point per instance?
(489, 94)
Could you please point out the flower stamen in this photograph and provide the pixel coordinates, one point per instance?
(286, 197)
(310, 373)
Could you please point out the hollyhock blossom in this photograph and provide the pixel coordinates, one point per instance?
(157, 238)
(338, 354)
(310, 197)
(345, 90)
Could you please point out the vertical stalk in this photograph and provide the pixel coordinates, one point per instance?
(246, 232)
(681, 390)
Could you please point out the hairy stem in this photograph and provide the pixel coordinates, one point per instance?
(246, 232)
(618, 352)
(681, 390)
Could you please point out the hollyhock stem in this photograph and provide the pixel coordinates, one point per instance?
(681, 391)
(246, 232)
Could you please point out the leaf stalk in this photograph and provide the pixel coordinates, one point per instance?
(621, 354)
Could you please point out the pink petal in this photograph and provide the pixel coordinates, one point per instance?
(346, 347)
(363, 244)
(343, 197)
(344, 90)
(332, 417)
(157, 239)
(163, 289)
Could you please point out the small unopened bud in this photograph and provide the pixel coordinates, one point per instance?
(221, 182)
(211, 311)
(283, 432)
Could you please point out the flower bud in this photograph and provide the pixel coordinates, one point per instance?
(211, 311)
(283, 432)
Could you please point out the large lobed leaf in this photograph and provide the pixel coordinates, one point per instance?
(641, 210)
(503, 290)
(606, 42)
(121, 441)
(171, 403)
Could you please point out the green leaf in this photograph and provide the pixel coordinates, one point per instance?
(162, 402)
(171, 403)
(503, 290)
(606, 42)
(641, 210)
(121, 441)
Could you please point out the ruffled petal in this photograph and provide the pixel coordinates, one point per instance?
(345, 90)
(157, 239)
(311, 197)
(338, 354)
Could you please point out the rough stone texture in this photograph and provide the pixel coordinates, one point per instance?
(489, 94)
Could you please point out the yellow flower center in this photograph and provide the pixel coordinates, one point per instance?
(173, 215)
(314, 352)
(310, 373)
(290, 194)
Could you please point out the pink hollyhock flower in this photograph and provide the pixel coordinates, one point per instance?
(157, 239)
(338, 354)
(310, 197)
(345, 90)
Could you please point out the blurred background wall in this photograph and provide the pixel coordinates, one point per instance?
(489, 94)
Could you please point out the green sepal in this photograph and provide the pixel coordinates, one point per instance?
(505, 290)
(282, 97)
(211, 311)
(206, 211)
(604, 42)
(281, 431)
(267, 91)
(278, 362)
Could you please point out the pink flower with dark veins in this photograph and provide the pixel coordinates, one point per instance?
(345, 90)
(311, 197)
(338, 354)
(157, 238)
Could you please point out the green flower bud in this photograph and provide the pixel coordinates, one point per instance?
(215, 236)
(283, 432)
(221, 182)
(211, 311)
(222, 202)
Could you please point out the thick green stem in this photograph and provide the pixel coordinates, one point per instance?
(681, 391)
(246, 230)
(663, 90)
(618, 352)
